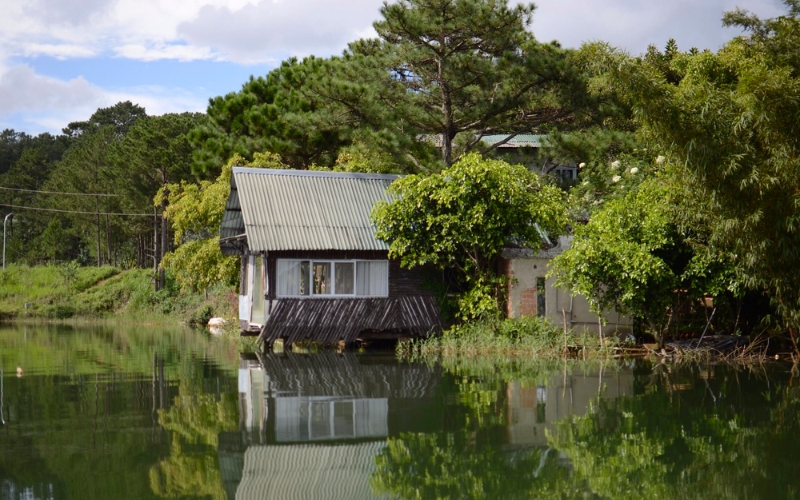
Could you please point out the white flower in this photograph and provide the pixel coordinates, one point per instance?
(615, 164)
(581, 165)
(616, 178)
(634, 170)
(585, 183)
(660, 160)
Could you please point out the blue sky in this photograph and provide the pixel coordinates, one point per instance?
(62, 59)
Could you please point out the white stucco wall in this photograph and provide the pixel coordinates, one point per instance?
(524, 271)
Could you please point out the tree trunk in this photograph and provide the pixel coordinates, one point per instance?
(164, 243)
(97, 216)
(155, 248)
(108, 238)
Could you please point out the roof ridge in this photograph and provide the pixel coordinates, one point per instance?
(313, 173)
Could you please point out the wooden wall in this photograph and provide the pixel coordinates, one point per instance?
(411, 309)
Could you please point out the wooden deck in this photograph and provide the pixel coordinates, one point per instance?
(329, 321)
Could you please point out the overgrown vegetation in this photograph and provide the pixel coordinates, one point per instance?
(502, 341)
(67, 291)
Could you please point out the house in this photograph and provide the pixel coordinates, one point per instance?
(523, 148)
(520, 149)
(531, 292)
(311, 266)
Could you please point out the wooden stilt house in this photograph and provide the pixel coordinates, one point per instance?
(311, 266)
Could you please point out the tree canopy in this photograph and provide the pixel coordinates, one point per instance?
(727, 125)
(439, 68)
(462, 217)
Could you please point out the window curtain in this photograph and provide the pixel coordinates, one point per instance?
(288, 277)
(372, 278)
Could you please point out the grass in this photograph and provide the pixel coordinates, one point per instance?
(69, 292)
(495, 342)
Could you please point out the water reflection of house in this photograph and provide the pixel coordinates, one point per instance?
(535, 409)
(321, 418)
(329, 396)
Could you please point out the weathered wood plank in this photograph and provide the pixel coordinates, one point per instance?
(330, 320)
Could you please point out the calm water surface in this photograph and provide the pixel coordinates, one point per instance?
(101, 413)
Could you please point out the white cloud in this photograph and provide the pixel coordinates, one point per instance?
(182, 53)
(270, 30)
(252, 31)
(22, 89)
(246, 31)
(42, 104)
(635, 24)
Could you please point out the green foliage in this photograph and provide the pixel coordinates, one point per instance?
(504, 344)
(439, 69)
(274, 114)
(68, 272)
(633, 257)
(104, 292)
(471, 65)
(195, 212)
(462, 217)
(726, 122)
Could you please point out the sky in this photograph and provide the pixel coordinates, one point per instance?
(60, 60)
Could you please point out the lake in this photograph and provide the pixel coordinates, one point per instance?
(95, 412)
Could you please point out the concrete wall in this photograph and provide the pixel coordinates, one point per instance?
(522, 299)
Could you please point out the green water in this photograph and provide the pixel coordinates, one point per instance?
(105, 413)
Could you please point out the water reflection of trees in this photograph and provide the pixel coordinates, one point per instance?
(457, 465)
(716, 432)
(195, 419)
(688, 432)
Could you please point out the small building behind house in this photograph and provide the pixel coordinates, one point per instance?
(531, 292)
(311, 266)
(525, 149)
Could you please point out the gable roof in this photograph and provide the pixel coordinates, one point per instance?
(302, 210)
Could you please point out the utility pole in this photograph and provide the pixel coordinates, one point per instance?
(4, 239)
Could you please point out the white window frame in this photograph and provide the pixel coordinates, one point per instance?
(333, 294)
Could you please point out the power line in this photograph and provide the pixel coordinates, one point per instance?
(72, 211)
(54, 192)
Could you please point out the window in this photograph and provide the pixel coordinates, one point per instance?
(541, 294)
(362, 278)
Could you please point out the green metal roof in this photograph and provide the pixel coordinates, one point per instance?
(309, 471)
(518, 141)
(303, 210)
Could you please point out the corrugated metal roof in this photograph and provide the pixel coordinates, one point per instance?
(304, 210)
(308, 471)
(518, 141)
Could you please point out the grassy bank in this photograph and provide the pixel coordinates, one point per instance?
(63, 292)
(500, 340)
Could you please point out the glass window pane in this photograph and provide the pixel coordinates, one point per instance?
(319, 420)
(343, 416)
(322, 278)
(305, 267)
(345, 273)
(292, 278)
(541, 304)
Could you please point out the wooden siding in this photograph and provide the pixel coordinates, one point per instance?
(329, 321)
(348, 374)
